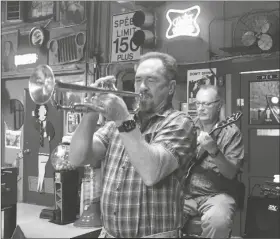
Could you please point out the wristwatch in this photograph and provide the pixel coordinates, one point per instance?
(127, 126)
(214, 155)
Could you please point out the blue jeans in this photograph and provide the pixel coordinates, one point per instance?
(216, 212)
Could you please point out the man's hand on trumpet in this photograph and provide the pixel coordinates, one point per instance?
(107, 82)
(111, 106)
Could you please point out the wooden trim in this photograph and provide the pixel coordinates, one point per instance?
(23, 26)
(228, 96)
(56, 11)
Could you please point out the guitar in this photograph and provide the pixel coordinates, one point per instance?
(228, 121)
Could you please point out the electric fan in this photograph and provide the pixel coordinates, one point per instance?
(257, 30)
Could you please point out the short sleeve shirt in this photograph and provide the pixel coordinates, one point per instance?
(230, 143)
(129, 207)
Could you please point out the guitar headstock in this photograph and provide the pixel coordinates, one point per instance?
(229, 120)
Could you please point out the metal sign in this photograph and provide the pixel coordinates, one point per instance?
(183, 22)
(122, 47)
(268, 132)
(268, 77)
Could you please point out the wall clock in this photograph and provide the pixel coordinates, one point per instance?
(36, 37)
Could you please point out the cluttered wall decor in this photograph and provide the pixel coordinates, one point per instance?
(47, 133)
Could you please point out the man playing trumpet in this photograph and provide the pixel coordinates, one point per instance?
(143, 155)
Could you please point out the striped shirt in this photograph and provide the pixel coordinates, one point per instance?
(206, 178)
(129, 207)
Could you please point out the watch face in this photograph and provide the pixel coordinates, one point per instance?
(129, 125)
(37, 37)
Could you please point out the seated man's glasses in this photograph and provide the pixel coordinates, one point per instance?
(205, 104)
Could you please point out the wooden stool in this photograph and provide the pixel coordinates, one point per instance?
(193, 229)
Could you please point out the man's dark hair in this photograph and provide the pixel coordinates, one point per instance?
(168, 62)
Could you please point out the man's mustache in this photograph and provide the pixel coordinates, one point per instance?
(145, 95)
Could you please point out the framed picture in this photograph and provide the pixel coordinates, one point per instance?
(195, 79)
(12, 139)
(39, 10)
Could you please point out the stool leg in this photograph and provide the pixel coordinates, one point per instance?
(230, 232)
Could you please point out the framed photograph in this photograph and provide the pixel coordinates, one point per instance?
(12, 139)
(72, 12)
(39, 10)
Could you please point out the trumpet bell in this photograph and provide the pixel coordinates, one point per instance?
(43, 87)
(41, 84)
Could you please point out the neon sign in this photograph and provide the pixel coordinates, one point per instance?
(26, 59)
(183, 22)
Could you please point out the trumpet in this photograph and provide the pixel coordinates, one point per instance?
(43, 86)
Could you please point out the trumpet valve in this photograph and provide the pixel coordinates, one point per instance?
(81, 108)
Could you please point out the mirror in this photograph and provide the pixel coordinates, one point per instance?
(14, 116)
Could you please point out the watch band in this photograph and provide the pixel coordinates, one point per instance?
(127, 126)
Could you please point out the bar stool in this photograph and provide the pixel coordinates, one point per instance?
(193, 228)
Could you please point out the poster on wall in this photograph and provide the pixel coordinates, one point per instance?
(69, 98)
(195, 79)
(73, 119)
(12, 139)
(122, 47)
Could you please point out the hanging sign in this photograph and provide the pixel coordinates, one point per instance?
(183, 22)
(122, 47)
(267, 77)
(12, 139)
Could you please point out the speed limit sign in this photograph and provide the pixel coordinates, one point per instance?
(122, 47)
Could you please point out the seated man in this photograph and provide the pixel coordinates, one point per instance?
(212, 183)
